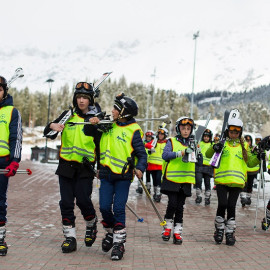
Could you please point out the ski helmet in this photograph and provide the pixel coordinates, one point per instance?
(258, 138)
(3, 83)
(85, 89)
(150, 133)
(235, 124)
(164, 131)
(248, 138)
(209, 133)
(126, 106)
(183, 120)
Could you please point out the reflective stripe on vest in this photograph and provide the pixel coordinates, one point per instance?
(156, 157)
(176, 170)
(75, 144)
(5, 118)
(233, 169)
(204, 146)
(115, 146)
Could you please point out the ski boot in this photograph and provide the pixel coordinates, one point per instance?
(91, 231)
(107, 241)
(157, 195)
(219, 233)
(139, 190)
(148, 186)
(248, 201)
(198, 199)
(207, 197)
(266, 223)
(70, 244)
(167, 229)
(3, 244)
(229, 232)
(243, 198)
(177, 238)
(119, 240)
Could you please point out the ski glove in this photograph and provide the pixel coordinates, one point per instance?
(261, 156)
(265, 143)
(188, 151)
(178, 154)
(12, 168)
(218, 147)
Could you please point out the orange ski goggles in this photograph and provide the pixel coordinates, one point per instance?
(235, 128)
(84, 85)
(186, 121)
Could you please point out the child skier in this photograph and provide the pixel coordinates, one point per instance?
(155, 160)
(123, 141)
(230, 178)
(177, 178)
(204, 171)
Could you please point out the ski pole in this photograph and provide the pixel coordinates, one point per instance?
(26, 171)
(162, 221)
(134, 213)
(257, 202)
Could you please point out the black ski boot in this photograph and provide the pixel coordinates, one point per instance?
(91, 231)
(243, 198)
(70, 244)
(107, 241)
(229, 232)
(167, 229)
(198, 199)
(177, 238)
(207, 197)
(248, 201)
(220, 226)
(3, 244)
(119, 239)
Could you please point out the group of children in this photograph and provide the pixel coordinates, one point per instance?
(115, 152)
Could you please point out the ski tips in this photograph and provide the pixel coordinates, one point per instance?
(29, 172)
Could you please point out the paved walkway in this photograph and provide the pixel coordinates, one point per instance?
(34, 233)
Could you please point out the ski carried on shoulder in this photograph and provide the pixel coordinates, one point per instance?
(164, 117)
(195, 139)
(69, 113)
(215, 160)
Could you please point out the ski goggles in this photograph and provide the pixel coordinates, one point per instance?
(258, 140)
(186, 121)
(84, 85)
(235, 128)
(161, 131)
(149, 134)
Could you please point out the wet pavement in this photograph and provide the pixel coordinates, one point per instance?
(34, 232)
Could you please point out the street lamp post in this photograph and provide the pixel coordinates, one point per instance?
(50, 82)
(153, 98)
(192, 95)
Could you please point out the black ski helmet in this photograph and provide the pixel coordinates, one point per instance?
(85, 89)
(3, 83)
(184, 120)
(209, 133)
(126, 106)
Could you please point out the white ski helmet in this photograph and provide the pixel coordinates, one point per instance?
(183, 120)
(150, 133)
(235, 124)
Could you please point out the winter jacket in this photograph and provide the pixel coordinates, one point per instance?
(139, 153)
(15, 134)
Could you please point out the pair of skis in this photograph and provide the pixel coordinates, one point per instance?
(69, 113)
(233, 114)
(17, 74)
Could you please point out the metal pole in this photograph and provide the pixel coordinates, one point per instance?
(49, 81)
(153, 98)
(147, 109)
(192, 95)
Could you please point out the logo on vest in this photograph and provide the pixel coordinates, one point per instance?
(121, 139)
(2, 118)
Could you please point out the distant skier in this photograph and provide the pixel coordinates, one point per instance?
(204, 171)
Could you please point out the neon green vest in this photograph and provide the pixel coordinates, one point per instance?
(176, 170)
(204, 146)
(233, 169)
(75, 144)
(156, 157)
(115, 146)
(5, 118)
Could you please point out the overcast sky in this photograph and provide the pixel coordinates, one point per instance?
(73, 40)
